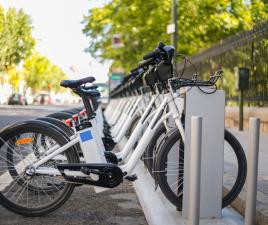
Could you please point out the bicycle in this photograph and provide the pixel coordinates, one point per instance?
(68, 170)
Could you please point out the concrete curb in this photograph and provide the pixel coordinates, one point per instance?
(239, 204)
(262, 197)
(154, 208)
(158, 210)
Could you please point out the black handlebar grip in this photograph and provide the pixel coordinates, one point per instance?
(147, 62)
(152, 54)
(142, 64)
(135, 73)
(134, 70)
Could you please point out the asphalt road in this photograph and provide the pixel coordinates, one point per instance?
(13, 114)
(118, 206)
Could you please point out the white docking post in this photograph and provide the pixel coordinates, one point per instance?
(195, 165)
(252, 173)
(211, 108)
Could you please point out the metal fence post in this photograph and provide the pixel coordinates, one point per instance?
(252, 173)
(195, 167)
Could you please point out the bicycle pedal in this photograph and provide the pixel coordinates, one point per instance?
(131, 177)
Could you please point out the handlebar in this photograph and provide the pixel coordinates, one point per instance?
(142, 64)
(135, 72)
(153, 54)
(147, 62)
(163, 52)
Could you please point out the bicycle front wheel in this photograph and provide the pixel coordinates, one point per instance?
(169, 168)
(34, 195)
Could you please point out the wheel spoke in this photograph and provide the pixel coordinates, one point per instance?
(30, 191)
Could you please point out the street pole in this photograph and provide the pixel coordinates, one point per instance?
(252, 170)
(195, 167)
(241, 113)
(174, 35)
(243, 85)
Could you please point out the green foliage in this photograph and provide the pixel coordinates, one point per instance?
(16, 46)
(41, 74)
(16, 40)
(142, 24)
(14, 77)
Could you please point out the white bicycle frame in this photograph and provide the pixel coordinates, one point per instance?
(91, 149)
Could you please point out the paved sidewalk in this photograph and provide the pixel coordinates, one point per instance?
(118, 206)
(262, 194)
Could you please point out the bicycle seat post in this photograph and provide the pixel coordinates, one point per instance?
(88, 107)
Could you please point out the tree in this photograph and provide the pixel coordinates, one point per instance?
(16, 40)
(142, 24)
(14, 77)
(16, 46)
(41, 74)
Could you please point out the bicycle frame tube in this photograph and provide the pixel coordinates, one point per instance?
(157, 119)
(125, 106)
(144, 141)
(91, 150)
(122, 118)
(115, 113)
(127, 122)
(137, 131)
(149, 132)
(56, 152)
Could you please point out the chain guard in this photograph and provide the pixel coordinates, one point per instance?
(110, 175)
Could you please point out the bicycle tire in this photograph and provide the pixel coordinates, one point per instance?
(177, 201)
(151, 150)
(38, 126)
(60, 115)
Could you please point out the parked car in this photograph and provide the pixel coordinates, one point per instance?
(104, 90)
(43, 99)
(17, 99)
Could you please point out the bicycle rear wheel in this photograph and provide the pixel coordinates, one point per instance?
(34, 195)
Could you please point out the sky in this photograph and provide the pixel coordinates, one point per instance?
(58, 30)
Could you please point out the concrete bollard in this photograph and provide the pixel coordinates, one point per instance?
(195, 167)
(252, 173)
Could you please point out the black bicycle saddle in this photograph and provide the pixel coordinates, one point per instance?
(76, 83)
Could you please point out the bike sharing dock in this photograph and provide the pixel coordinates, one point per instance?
(202, 190)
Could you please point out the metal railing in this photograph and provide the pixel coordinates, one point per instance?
(246, 49)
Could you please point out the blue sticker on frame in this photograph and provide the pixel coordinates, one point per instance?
(86, 136)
